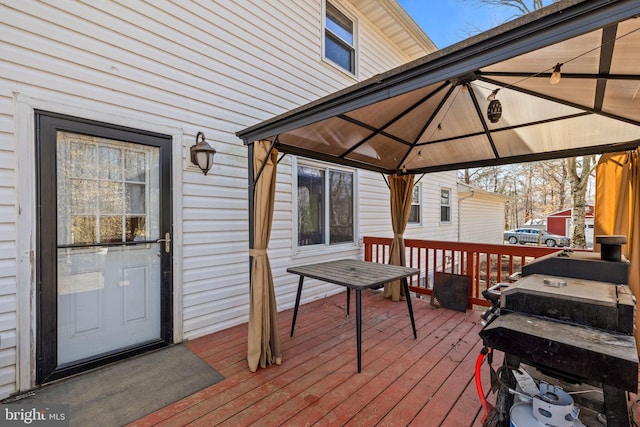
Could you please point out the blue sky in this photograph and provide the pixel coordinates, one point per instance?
(449, 21)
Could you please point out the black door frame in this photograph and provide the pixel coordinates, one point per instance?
(47, 125)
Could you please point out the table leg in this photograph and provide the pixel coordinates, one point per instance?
(359, 328)
(405, 284)
(348, 299)
(295, 310)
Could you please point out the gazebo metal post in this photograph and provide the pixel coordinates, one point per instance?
(252, 193)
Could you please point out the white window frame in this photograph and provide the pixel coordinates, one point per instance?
(354, 45)
(417, 187)
(448, 190)
(326, 246)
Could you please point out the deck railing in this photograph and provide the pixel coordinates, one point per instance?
(485, 264)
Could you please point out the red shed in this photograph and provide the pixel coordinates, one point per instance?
(560, 223)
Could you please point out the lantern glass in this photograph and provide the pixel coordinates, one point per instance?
(205, 160)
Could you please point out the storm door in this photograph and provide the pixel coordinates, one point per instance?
(104, 240)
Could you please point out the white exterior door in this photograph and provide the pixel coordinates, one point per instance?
(111, 245)
(588, 232)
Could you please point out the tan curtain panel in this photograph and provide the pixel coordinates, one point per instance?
(401, 187)
(617, 210)
(263, 340)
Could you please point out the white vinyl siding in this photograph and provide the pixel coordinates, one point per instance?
(176, 68)
(481, 220)
(8, 249)
(375, 217)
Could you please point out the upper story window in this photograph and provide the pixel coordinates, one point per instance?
(415, 216)
(445, 205)
(339, 46)
(325, 206)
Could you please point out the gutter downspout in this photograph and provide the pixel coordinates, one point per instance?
(460, 199)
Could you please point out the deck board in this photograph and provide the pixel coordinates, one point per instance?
(404, 381)
(379, 372)
(417, 380)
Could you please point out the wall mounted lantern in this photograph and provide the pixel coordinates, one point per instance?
(202, 153)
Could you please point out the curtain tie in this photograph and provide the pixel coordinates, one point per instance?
(257, 252)
(398, 235)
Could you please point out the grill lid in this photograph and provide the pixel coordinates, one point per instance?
(586, 302)
(581, 265)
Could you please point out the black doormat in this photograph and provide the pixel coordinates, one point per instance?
(121, 393)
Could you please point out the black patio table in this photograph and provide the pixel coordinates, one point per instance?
(357, 275)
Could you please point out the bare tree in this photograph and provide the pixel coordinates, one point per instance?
(523, 7)
(577, 170)
(556, 176)
(580, 169)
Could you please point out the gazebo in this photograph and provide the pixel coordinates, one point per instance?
(563, 81)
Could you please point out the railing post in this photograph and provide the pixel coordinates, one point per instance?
(367, 249)
(469, 267)
(474, 285)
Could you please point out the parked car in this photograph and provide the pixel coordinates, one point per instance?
(530, 235)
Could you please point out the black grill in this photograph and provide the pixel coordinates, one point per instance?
(572, 316)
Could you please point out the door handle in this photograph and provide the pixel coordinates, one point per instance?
(167, 242)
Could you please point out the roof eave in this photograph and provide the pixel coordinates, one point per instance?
(546, 26)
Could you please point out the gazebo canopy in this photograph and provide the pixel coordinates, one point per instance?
(431, 114)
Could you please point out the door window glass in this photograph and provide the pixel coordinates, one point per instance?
(111, 202)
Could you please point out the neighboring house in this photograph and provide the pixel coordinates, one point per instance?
(560, 223)
(112, 241)
(481, 215)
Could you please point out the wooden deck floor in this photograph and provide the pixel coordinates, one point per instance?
(427, 381)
